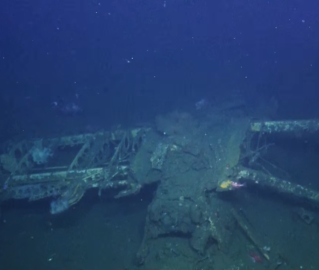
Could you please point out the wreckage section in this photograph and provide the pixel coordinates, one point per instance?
(256, 170)
(201, 168)
(64, 168)
(196, 165)
(186, 204)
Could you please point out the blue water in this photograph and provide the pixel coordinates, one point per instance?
(128, 60)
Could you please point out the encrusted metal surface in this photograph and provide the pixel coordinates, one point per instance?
(280, 185)
(158, 157)
(285, 126)
(66, 167)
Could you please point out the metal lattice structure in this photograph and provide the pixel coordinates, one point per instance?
(64, 168)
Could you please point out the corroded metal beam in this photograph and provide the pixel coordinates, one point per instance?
(285, 126)
(46, 177)
(280, 185)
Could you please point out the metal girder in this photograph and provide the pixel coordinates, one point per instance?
(279, 185)
(285, 126)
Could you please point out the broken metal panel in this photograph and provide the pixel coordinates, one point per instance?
(159, 155)
(140, 165)
(285, 126)
(249, 233)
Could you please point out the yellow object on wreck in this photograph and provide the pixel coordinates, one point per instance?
(225, 184)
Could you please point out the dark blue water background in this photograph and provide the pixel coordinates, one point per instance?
(127, 61)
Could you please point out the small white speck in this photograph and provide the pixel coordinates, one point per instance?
(303, 21)
(58, 28)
